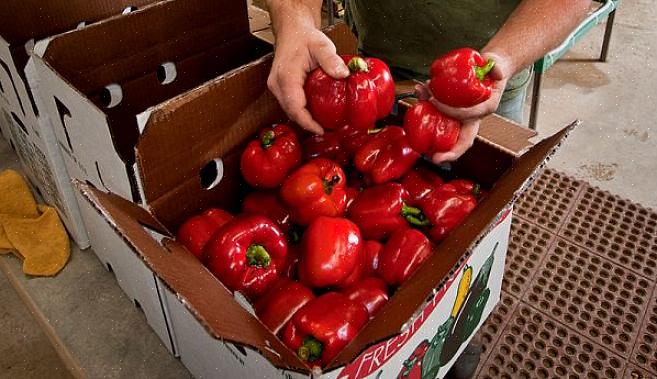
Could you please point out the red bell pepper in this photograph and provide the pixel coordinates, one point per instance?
(381, 210)
(386, 157)
(353, 138)
(460, 78)
(371, 252)
(246, 254)
(362, 98)
(315, 189)
(446, 209)
(352, 193)
(420, 182)
(412, 366)
(429, 131)
(197, 231)
(463, 187)
(327, 145)
(291, 265)
(277, 306)
(323, 327)
(402, 255)
(331, 252)
(269, 205)
(371, 292)
(266, 161)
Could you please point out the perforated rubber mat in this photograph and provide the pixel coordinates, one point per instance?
(579, 296)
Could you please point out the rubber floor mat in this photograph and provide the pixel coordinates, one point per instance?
(579, 297)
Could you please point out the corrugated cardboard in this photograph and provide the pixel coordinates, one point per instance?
(23, 23)
(96, 128)
(184, 135)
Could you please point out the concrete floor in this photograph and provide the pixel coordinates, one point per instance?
(615, 149)
(616, 146)
(25, 351)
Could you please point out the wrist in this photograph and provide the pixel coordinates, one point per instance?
(291, 16)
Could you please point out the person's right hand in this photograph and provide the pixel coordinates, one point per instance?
(300, 48)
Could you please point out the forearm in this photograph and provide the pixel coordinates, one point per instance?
(286, 13)
(533, 29)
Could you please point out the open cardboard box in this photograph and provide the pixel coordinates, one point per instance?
(188, 159)
(200, 39)
(23, 23)
(97, 98)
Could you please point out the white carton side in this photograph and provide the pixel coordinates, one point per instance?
(135, 279)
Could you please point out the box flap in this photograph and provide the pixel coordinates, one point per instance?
(505, 135)
(129, 47)
(212, 303)
(23, 20)
(449, 254)
(186, 134)
(501, 133)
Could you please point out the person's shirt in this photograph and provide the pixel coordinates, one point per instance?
(410, 34)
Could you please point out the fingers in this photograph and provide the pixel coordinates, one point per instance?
(422, 92)
(475, 112)
(323, 51)
(288, 89)
(467, 136)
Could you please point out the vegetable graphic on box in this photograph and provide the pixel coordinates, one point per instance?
(464, 318)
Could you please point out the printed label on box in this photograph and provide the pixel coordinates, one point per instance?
(36, 165)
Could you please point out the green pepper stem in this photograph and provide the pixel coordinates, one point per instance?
(328, 184)
(267, 139)
(358, 64)
(311, 349)
(476, 191)
(294, 235)
(257, 255)
(414, 216)
(482, 71)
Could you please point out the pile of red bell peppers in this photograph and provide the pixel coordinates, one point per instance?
(332, 224)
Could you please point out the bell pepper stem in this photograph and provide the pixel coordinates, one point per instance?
(294, 235)
(257, 255)
(414, 216)
(358, 64)
(311, 349)
(329, 183)
(267, 139)
(374, 131)
(476, 191)
(482, 71)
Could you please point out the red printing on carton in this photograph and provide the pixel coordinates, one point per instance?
(376, 356)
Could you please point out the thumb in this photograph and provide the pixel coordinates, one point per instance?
(331, 62)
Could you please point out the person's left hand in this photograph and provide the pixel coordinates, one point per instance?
(470, 117)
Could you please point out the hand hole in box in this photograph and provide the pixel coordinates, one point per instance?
(129, 9)
(111, 96)
(212, 173)
(167, 73)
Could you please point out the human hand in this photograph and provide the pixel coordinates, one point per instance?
(300, 48)
(470, 117)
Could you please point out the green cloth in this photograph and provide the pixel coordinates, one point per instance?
(410, 34)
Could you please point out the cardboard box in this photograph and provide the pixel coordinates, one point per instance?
(153, 54)
(188, 159)
(135, 279)
(98, 101)
(23, 23)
